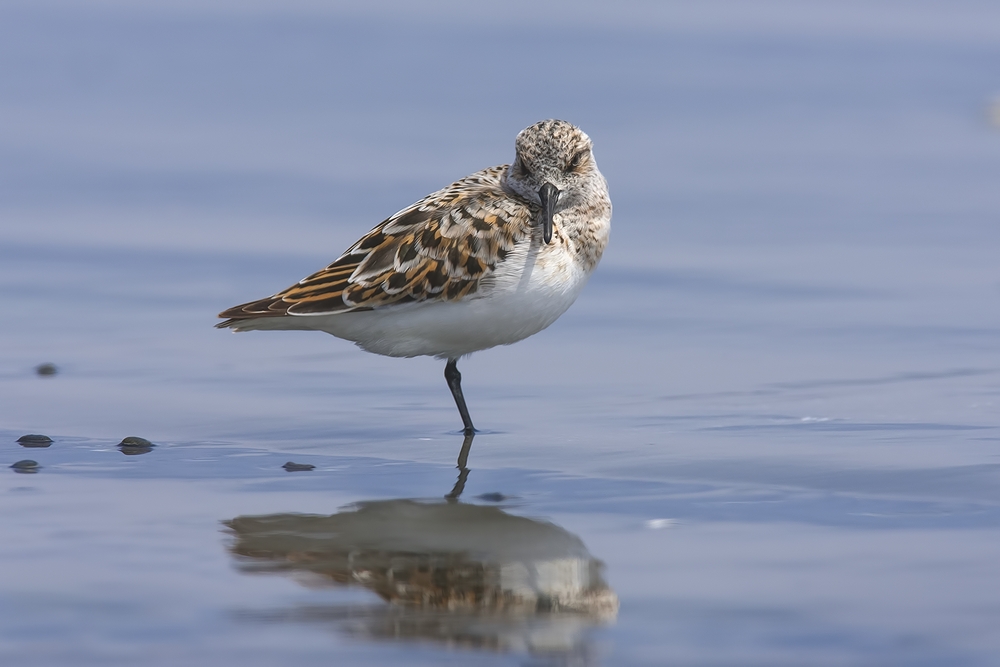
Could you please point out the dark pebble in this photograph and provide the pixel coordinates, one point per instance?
(46, 370)
(26, 466)
(134, 445)
(34, 440)
(298, 467)
(134, 441)
(492, 497)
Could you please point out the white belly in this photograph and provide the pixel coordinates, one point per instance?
(525, 296)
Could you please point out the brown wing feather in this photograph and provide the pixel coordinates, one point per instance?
(439, 248)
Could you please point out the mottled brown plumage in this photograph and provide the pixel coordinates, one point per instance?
(441, 247)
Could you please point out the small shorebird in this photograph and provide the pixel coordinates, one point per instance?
(489, 260)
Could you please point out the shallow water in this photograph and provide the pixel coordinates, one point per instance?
(767, 433)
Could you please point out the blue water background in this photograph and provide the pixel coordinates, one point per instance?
(774, 413)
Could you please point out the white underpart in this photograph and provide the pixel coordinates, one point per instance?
(528, 292)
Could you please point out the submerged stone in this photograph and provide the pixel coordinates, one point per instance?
(133, 445)
(135, 441)
(34, 440)
(26, 466)
(298, 467)
(46, 369)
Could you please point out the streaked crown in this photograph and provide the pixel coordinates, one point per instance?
(556, 152)
(551, 145)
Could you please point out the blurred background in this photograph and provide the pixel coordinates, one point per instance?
(799, 309)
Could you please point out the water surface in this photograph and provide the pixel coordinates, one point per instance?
(767, 433)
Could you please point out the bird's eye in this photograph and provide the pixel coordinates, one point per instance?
(523, 167)
(576, 160)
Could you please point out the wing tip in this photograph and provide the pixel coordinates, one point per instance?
(249, 311)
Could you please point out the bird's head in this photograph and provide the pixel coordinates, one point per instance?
(553, 167)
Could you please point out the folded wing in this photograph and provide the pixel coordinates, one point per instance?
(440, 248)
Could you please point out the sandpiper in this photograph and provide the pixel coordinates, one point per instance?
(489, 260)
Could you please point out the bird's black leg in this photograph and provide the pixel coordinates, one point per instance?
(454, 379)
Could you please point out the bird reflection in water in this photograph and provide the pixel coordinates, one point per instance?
(455, 572)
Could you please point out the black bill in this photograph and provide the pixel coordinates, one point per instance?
(549, 195)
